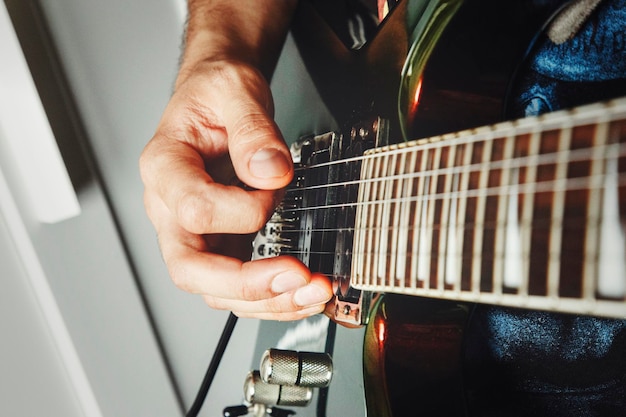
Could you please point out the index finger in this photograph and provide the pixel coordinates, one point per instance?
(196, 270)
(175, 173)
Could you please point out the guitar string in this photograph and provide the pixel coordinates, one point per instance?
(536, 160)
(485, 225)
(566, 184)
(433, 255)
(460, 170)
(558, 185)
(443, 141)
(572, 223)
(530, 161)
(613, 113)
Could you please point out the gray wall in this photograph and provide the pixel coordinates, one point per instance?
(121, 60)
(34, 380)
(72, 319)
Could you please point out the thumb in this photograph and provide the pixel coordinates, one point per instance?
(258, 151)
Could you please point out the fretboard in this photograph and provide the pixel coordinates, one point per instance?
(528, 214)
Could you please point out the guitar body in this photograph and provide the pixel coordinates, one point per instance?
(436, 67)
(413, 353)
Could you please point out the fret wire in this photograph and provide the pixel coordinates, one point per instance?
(385, 217)
(366, 217)
(558, 208)
(592, 241)
(405, 211)
(425, 257)
(465, 176)
(480, 217)
(415, 258)
(385, 213)
(452, 261)
(527, 210)
(612, 268)
(578, 155)
(445, 223)
(454, 244)
(369, 173)
(367, 276)
(503, 202)
(367, 221)
(370, 224)
(378, 204)
(513, 254)
(419, 232)
(360, 215)
(423, 241)
(399, 186)
(431, 218)
(369, 270)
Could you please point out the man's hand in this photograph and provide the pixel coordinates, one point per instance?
(217, 133)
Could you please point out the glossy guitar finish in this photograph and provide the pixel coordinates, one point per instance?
(412, 357)
(523, 214)
(361, 89)
(460, 77)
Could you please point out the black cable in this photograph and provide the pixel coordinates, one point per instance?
(322, 401)
(212, 369)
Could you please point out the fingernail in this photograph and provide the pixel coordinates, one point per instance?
(287, 281)
(269, 163)
(310, 295)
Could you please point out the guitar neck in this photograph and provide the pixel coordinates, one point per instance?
(527, 214)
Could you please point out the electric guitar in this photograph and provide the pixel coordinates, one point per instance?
(523, 214)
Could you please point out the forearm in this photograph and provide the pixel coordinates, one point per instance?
(250, 31)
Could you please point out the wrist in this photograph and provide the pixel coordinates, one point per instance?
(247, 31)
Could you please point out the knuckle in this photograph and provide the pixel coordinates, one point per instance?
(150, 205)
(179, 275)
(253, 126)
(145, 162)
(274, 305)
(214, 302)
(256, 221)
(232, 75)
(246, 219)
(194, 213)
(229, 73)
(249, 292)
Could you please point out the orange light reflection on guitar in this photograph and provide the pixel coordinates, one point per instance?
(382, 330)
(416, 100)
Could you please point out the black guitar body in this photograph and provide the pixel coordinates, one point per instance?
(479, 62)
